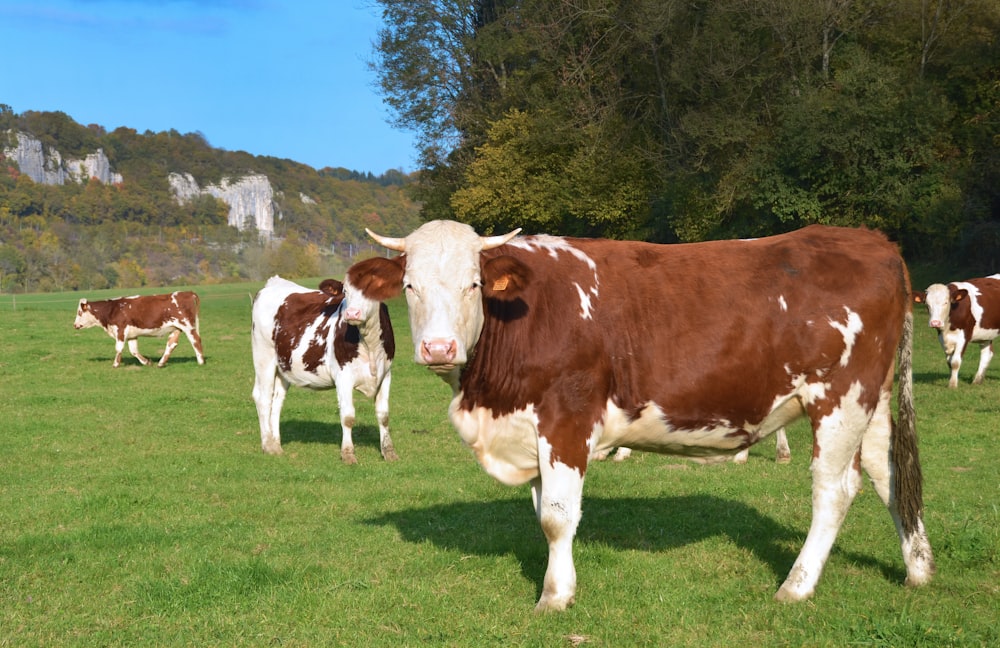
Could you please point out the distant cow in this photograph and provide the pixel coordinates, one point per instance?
(127, 318)
(964, 312)
(321, 339)
(782, 453)
(557, 348)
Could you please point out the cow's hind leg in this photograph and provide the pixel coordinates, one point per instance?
(879, 459)
(171, 345)
(557, 494)
(269, 391)
(985, 355)
(382, 414)
(195, 339)
(133, 348)
(836, 481)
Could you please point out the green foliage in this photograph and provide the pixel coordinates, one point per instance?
(695, 120)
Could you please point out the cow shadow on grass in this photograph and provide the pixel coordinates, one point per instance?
(299, 431)
(129, 361)
(509, 527)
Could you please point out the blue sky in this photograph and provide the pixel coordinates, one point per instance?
(287, 78)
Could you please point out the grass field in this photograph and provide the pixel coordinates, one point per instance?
(138, 510)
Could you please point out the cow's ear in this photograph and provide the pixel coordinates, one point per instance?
(920, 296)
(960, 295)
(332, 287)
(504, 277)
(378, 278)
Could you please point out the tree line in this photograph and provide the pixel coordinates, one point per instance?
(84, 236)
(671, 120)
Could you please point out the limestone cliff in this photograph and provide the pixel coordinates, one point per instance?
(48, 167)
(250, 198)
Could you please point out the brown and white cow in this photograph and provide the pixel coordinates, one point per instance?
(127, 318)
(964, 312)
(557, 348)
(321, 339)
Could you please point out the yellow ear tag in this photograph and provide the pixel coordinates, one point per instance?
(501, 283)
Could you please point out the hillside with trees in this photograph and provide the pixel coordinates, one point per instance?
(88, 235)
(682, 121)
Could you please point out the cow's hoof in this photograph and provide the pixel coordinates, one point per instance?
(554, 603)
(272, 449)
(389, 453)
(786, 594)
(783, 459)
(347, 456)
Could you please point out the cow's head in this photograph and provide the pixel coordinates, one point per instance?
(84, 317)
(445, 277)
(358, 308)
(941, 300)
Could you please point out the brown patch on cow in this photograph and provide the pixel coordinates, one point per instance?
(346, 343)
(293, 318)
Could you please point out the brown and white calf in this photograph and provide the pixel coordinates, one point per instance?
(321, 339)
(964, 312)
(558, 348)
(127, 318)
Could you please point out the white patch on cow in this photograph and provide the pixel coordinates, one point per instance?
(506, 446)
(584, 302)
(553, 245)
(783, 303)
(850, 332)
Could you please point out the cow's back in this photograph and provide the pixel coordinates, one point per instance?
(988, 300)
(709, 331)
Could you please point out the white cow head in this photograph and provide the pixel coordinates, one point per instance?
(358, 309)
(442, 273)
(84, 318)
(940, 300)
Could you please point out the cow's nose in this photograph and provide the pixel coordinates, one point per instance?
(438, 351)
(353, 314)
(936, 324)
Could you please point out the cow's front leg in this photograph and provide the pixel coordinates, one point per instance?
(382, 414)
(985, 355)
(557, 494)
(133, 348)
(119, 348)
(345, 399)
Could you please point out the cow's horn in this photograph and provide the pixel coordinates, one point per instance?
(490, 242)
(397, 244)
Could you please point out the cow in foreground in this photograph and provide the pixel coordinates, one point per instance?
(127, 318)
(321, 339)
(557, 348)
(964, 312)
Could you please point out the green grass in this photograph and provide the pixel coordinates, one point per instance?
(138, 510)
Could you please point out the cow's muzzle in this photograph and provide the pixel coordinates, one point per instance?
(438, 351)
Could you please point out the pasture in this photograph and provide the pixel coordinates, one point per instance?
(138, 510)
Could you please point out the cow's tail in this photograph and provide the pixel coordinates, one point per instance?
(908, 481)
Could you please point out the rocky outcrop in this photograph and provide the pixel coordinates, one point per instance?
(48, 167)
(250, 198)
